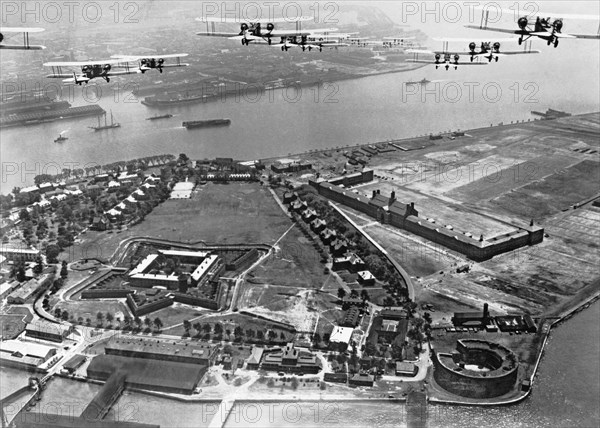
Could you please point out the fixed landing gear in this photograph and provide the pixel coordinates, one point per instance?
(556, 43)
(520, 41)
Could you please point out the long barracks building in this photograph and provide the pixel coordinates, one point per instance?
(405, 216)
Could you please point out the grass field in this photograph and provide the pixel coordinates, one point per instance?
(217, 213)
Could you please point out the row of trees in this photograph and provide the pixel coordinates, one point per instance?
(239, 333)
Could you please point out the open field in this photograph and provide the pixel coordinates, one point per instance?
(554, 193)
(234, 213)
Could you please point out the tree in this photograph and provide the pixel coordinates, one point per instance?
(158, 323)
(109, 317)
(353, 294)
(21, 273)
(341, 293)
(88, 322)
(427, 317)
(260, 335)
(316, 338)
(39, 267)
(218, 329)
(147, 322)
(238, 331)
(187, 326)
(206, 328)
(63, 270)
(250, 333)
(272, 335)
(365, 295)
(100, 317)
(64, 315)
(57, 312)
(294, 382)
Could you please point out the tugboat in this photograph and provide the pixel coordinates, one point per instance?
(106, 125)
(61, 138)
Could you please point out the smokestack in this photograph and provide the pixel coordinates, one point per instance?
(392, 198)
(481, 238)
(378, 191)
(486, 313)
(531, 223)
(374, 193)
(412, 205)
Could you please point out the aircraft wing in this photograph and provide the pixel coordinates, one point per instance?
(122, 73)
(420, 51)
(20, 30)
(399, 38)
(555, 34)
(25, 31)
(586, 36)
(542, 14)
(502, 53)
(238, 20)
(496, 29)
(474, 39)
(23, 47)
(424, 61)
(82, 63)
(136, 58)
(217, 34)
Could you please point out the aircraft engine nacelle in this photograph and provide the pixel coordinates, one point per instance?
(244, 27)
(522, 22)
(144, 61)
(472, 46)
(558, 24)
(270, 27)
(160, 61)
(437, 57)
(496, 47)
(86, 68)
(106, 68)
(456, 58)
(1, 37)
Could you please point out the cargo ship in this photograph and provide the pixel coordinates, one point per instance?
(106, 125)
(44, 116)
(205, 123)
(162, 116)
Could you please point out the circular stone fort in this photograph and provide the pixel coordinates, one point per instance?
(477, 369)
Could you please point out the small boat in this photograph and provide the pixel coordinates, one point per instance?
(106, 125)
(162, 116)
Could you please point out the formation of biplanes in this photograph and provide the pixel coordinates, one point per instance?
(257, 32)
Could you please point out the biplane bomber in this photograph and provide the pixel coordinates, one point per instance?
(26, 45)
(256, 32)
(483, 49)
(544, 27)
(118, 65)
